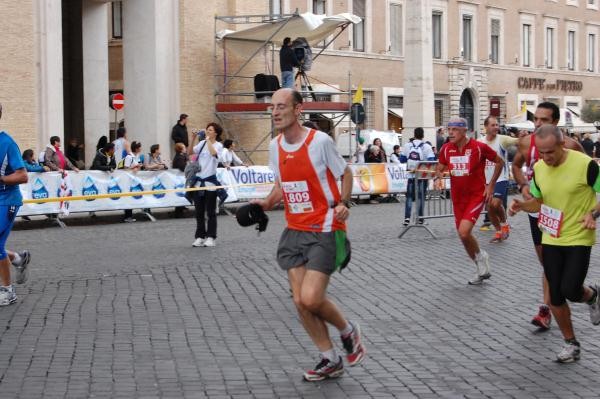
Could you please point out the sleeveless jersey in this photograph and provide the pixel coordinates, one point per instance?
(309, 189)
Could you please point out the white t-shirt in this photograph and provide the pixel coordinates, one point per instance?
(131, 160)
(394, 158)
(500, 144)
(208, 163)
(360, 153)
(119, 149)
(229, 157)
(321, 151)
(424, 149)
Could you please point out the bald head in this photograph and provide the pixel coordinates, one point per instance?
(548, 130)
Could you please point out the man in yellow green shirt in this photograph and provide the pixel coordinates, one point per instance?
(564, 190)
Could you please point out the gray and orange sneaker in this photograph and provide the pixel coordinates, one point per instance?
(355, 350)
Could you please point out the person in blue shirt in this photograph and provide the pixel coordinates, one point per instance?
(31, 164)
(12, 173)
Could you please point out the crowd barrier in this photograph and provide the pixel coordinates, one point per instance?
(243, 183)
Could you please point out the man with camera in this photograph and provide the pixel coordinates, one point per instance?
(287, 62)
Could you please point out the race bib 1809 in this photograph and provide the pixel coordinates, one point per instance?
(297, 196)
(550, 221)
(459, 166)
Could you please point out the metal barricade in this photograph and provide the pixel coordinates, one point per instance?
(437, 202)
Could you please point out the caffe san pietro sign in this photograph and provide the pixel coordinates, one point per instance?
(549, 85)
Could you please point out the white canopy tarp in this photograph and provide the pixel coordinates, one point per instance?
(311, 26)
(569, 119)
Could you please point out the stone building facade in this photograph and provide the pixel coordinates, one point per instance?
(63, 58)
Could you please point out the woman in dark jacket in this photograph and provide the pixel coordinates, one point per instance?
(104, 159)
(179, 161)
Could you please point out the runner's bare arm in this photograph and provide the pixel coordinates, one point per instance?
(341, 209)
(274, 197)
(517, 167)
(19, 177)
(489, 190)
(531, 205)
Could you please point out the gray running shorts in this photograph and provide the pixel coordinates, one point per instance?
(314, 250)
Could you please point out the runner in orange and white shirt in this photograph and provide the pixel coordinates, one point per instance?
(313, 245)
(465, 160)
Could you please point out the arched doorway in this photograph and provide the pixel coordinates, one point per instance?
(467, 108)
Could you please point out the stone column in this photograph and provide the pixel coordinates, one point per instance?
(418, 70)
(50, 105)
(151, 71)
(95, 74)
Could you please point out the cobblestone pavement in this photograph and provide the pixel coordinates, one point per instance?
(132, 310)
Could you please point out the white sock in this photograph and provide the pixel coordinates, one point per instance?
(8, 287)
(347, 330)
(17, 259)
(330, 355)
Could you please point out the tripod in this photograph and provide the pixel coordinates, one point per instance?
(304, 82)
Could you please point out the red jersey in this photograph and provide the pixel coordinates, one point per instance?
(533, 155)
(467, 168)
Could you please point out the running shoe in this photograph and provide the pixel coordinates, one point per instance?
(485, 227)
(498, 237)
(210, 242)
(505, 231)
(483, 265)
(595, 306)
(7, 296)
(355, 350)
(325, 369)
(543, 318)
(570, 353)
(406, 222)
(21, 270)
(476, 280)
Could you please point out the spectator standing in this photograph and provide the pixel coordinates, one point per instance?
(105, 158)
(209, 151)
(73, 152)
(31, 165)
(122, 147)
(102, 141)
(287, 62)
(439, 139)
(395, 157)
(154, 161)
(134, 162)
(414, 152)
(180, 160)
(54, 157)
(361, 149)
(229, 157)
(379, 144)
(179, 133)
(588, 145)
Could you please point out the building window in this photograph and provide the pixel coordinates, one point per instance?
(549, 47)
(438, 106)
(495, 41)
(117, 20)
(526, 45)
(319, 7)
(436, 27)
(467, 41)
(395, 29)
(358, 36)
(591, 52)
(571, 50)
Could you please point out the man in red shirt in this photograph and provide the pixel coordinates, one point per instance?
(464, 158)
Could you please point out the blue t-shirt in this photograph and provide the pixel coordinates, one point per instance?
(10, 162)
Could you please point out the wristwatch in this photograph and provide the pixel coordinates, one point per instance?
(345, 202)
(595, 214)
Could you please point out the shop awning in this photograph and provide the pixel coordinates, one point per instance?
(397, 112)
